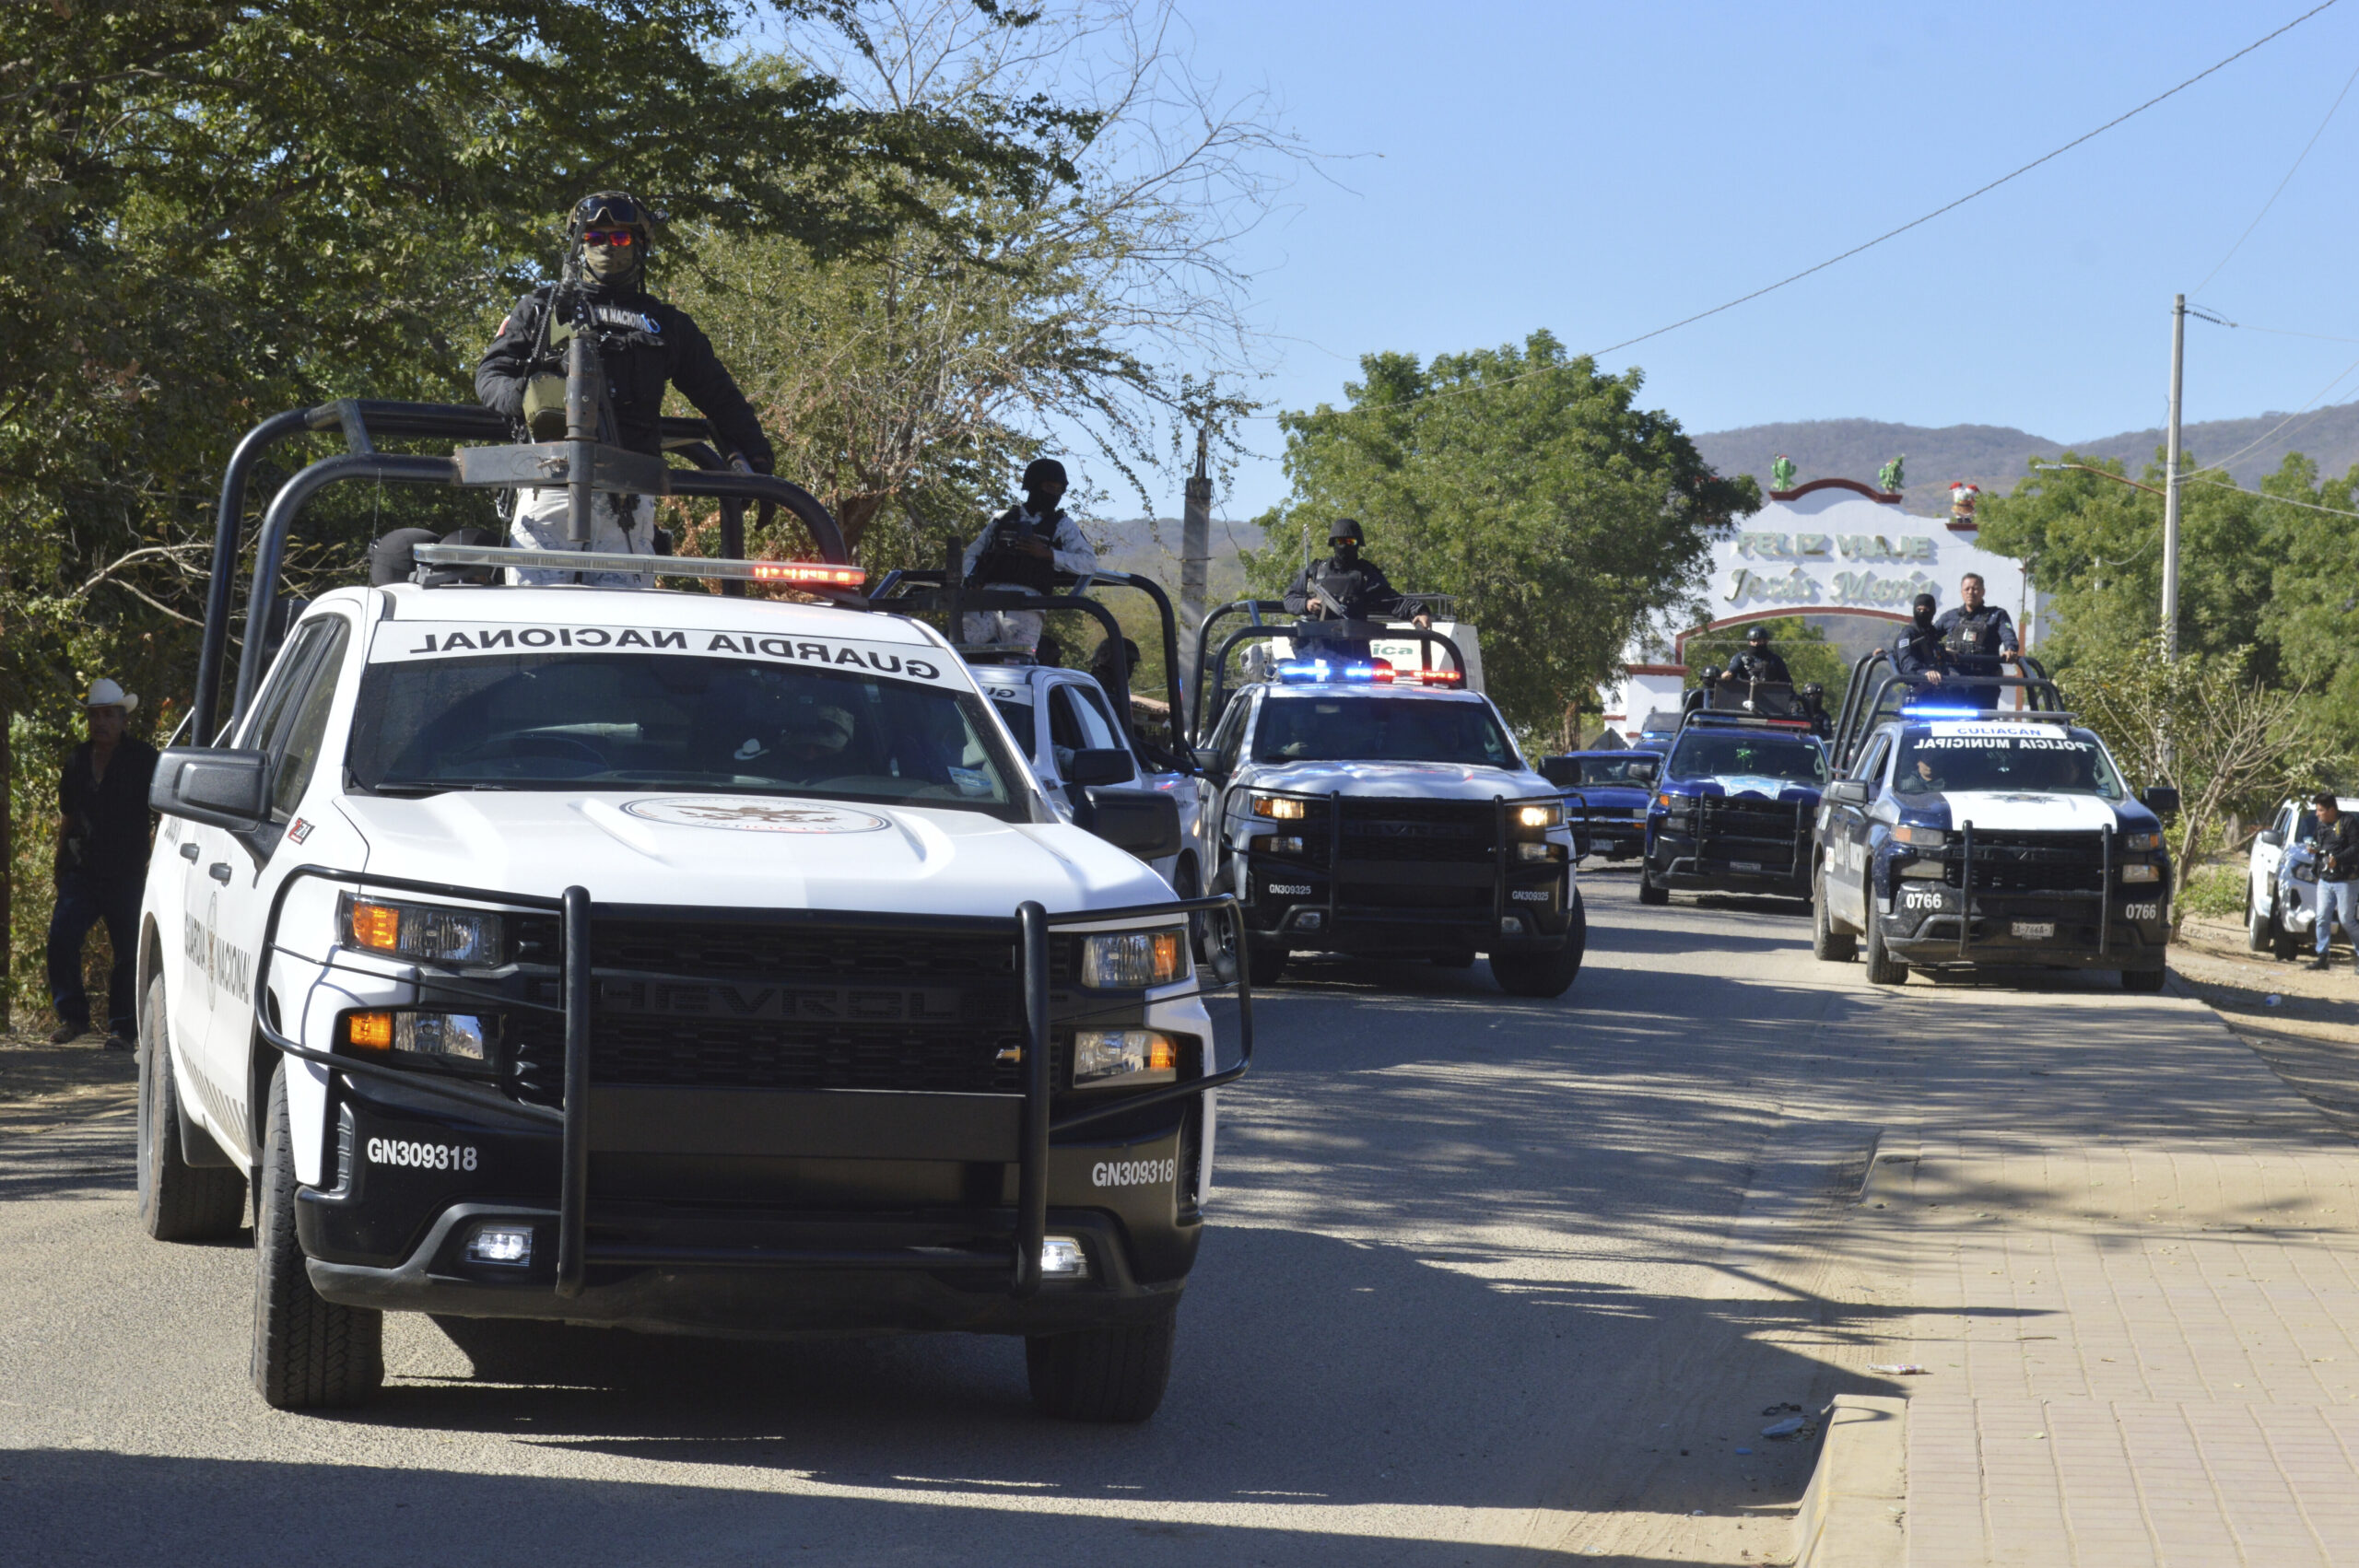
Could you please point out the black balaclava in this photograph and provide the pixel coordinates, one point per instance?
(620, 268)
(1344, 540)
(1044, 486)
(1921, 610)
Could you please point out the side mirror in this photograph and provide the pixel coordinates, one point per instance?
(1561, 772)
(1108, 764)
(1849, 792)
(2160, 798)
(213, 785)
(2272, 837)
(1208, 761)
(1146, 824)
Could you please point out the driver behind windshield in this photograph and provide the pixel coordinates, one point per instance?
(807, 746)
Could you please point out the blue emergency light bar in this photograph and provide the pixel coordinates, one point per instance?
(1372, 671)
(1932, 710)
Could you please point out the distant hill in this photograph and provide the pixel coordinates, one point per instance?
(1993, 456)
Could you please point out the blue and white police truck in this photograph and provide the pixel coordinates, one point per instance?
(1732, 806)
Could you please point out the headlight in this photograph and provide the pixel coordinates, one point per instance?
(1141, 1054)
(1920, 837)
(454, 1036)
(2137, 841)
(1133, 961)
(420, 931)
(2144, 871)
(1550, 814)
(1278, 808)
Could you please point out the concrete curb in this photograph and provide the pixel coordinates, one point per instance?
(1891, 1166)
(1852, 1516)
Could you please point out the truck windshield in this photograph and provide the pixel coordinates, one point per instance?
(665, 721)
(1782, 757)
(1638, 768)
(2057, 764)
(1376, 729)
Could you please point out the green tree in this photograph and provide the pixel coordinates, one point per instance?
(1527, 484)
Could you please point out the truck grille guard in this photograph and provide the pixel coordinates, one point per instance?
(1501, 853)
(1033, 923)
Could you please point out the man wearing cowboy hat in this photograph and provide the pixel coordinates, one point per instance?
(103, 839)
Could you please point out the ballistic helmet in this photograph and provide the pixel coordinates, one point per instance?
(609, 209)
(1758, 636)
(1043, 470)
(1344, 528)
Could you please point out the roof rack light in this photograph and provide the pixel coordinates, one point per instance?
(1378, 672)
(807, 574)
(1939, 710)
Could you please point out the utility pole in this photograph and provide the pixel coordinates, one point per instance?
(1196, 552)
(2170, 482)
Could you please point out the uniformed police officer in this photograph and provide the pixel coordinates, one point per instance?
(1353, 581)
(1978, 637)
(644, 345)
(1918, 653)
(1023, 549)
(1758, 661)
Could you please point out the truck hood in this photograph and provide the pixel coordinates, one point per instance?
(1418, 781)
(747, 851)
(1762, 787)
(2023, 811)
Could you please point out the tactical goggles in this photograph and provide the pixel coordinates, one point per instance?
(617, 238)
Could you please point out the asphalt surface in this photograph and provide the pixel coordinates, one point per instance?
(1483, 1285)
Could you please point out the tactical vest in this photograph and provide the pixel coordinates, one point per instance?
(1969, 633)
(1000, 563)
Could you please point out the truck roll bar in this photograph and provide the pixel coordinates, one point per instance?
(500, 465)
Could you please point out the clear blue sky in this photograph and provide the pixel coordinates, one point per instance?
(1600, 169)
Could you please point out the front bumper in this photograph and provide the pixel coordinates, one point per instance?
(768, 1210)
(1682, 860)
(1426, 907)
(1926, 929)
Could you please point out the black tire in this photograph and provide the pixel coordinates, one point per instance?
(177, 1202)
(1101, 1375)
(2260, 930)
(1647, 892)
(1265, 962)
(1883, 969)
(1826, 944)
(2283, 945)
(1545, 973)
(1208, 935)
(2142, 980)
(307, 1353)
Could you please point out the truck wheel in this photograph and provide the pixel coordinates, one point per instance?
(2260, 930)
(1883, 969)
(1545, 973)
(307, 1353)
(2142, 980)
(1265, 962)
(1647, 892)
(177, 1202)
(1115, 1373)
(1826, 942)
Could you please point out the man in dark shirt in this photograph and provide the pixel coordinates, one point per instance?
(1758, 661)
(101, 864)
(644, 344)
(1916, 654)
(2338, 866)
(1352, 584)
(1978, 639)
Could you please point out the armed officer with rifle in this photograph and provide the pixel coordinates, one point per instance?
(1346, 586)
(643, 344)
(1023, 550)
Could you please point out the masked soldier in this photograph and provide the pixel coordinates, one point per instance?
(1918, 653)
(644, 345)
(1759, 662)
(1023, 549)
(1977, 636)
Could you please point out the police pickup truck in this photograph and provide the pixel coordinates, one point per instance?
(1960, 839)
(1363, 815)
(1731, 807)
(671, 961)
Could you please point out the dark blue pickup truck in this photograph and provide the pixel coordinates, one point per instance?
(1606, 794)
(1733, 808)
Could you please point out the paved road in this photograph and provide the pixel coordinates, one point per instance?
(1489, 1281)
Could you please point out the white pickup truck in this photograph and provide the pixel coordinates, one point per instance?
(666, 961)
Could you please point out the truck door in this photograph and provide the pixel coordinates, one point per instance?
(290, 724)
(2267, 858)
(1074, 725)
(1848, 853)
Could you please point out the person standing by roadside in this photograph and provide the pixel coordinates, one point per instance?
(103, 833)
(2337, 875)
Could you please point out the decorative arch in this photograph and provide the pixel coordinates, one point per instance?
(1885, 498)
(1679, 643)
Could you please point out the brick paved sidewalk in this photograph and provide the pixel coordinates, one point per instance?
(2132, 1257)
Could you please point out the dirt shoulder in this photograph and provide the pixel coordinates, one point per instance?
(2304, 1023)
(42, 1083)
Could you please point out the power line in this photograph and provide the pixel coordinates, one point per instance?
(1868, 245)
(2281, 183)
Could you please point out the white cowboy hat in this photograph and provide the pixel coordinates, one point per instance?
(106, 694)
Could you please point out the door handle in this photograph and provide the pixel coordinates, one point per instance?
(219, 870)
(188, 850)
